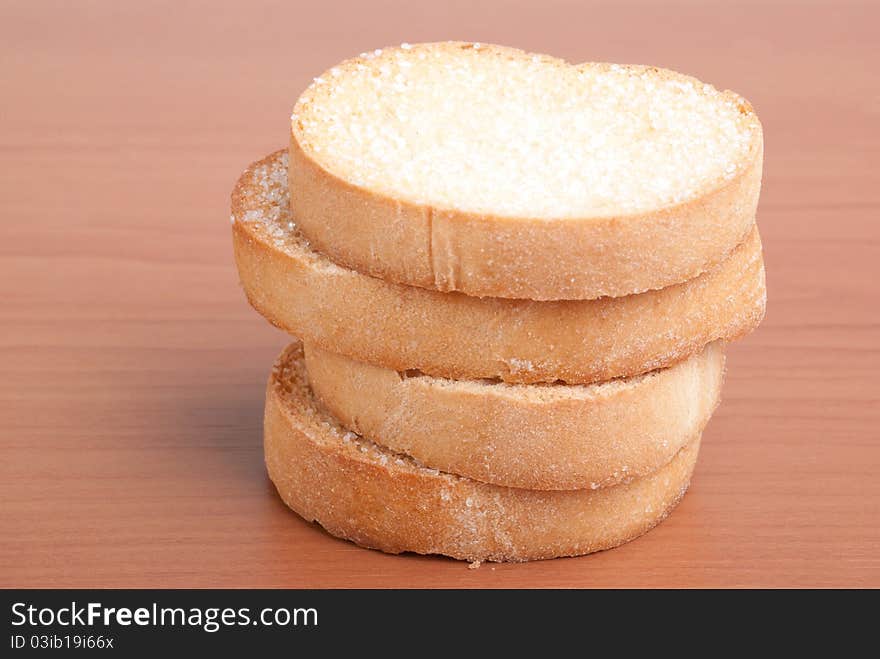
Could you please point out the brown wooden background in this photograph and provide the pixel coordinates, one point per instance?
(133, 370)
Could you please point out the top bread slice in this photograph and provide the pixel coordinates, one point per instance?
(495, 172)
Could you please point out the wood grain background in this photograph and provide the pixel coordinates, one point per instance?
(133, 370)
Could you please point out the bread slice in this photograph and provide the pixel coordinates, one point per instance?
(460, 337)
(544, 437)
(380, 499)
(496, 172)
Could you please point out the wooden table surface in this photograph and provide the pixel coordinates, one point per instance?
(133, 369)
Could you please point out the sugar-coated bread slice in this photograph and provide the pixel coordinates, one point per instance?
(380, 499)
(544, 437)
(460, 337)
(496, 172)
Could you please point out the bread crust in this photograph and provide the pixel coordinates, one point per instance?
(378, 499)
(544, 437)
(460, 337)
(486, 255)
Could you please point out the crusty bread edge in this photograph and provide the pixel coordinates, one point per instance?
(460, 337)
(545, 437)
(372, 497)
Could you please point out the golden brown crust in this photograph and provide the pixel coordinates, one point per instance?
(485, 255)
(545, 437)
(536, 259)
(461, 337)
(377, 499)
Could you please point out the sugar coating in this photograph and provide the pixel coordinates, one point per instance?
(499, 131)
(269, 191)
(270, 181)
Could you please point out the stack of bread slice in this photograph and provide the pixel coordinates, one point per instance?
(512, 280)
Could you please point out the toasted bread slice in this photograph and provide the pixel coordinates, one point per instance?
(360, 491)
(501, 173)
(544, 437)
(460, 337)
